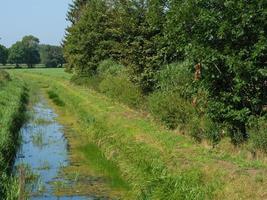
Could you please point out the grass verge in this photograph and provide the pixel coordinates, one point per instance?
(13, 99)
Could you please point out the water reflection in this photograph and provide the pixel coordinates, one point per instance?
(43, 153)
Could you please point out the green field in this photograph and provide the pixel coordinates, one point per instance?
(23, 66)
(141, 158)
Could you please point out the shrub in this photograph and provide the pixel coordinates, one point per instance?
(90, 81)
(176, 76)
(122, 89)
(169, 107)
(258, 133)
(200, 127)
(109, 67)
(176, 112)
(4, 77)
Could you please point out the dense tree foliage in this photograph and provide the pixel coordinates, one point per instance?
(227, 39)
(3, 54)
(51, 56)
(25, 52)
(28, 51)
(31, 51)
(16, 54)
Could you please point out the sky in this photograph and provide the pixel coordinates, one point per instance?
(45, 19)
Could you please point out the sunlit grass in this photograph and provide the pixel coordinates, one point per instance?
(13, 97)
(97, 160)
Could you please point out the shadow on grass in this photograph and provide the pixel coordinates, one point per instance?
(99, 163)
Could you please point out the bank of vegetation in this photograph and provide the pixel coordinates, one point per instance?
(148, 161)
(197, 66)
(13, 99)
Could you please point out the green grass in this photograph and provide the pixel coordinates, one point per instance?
(155, 162)
(4, 77)
(55, 98)
(98, 161)
(55, 72)
(23, 66)
(13, 98)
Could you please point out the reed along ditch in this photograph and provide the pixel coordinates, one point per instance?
(42, 157)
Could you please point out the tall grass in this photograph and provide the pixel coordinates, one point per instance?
(55, 98)
(99, 162)
(121, 89)
(111, 79)
(4, 77)
(13, 98)
(258, 132)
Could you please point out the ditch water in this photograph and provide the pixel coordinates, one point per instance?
(43, 153)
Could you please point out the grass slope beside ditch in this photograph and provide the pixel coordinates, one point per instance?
(157, 163)
(13, 98)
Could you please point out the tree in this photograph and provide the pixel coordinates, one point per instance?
(51, 56)
(229, 39)
(25, 51)
(143, 26)
(16, 54)
(31, 54)
(126, 31)
(83, 41)
(75, 10)
(3, 54)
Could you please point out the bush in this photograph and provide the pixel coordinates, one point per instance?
(4, 77)
(200, 127)
(122, 89)
(90, 81)
(170, 108)
(176, 112)
(258, 133)
(109, 67)
(176, 76)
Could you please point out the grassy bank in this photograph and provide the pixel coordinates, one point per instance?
(155, 163)
(13, 98)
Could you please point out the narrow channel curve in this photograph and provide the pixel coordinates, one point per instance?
(43, 153)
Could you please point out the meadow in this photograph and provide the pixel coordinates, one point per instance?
(11, 66)
(140, 155)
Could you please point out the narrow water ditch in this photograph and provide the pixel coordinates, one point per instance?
(43, 153)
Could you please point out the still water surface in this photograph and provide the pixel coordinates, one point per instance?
(44, 152)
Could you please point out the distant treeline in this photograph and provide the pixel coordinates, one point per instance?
(28, 51)
(161, 44)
